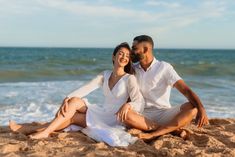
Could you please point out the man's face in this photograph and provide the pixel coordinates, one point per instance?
(137, 52)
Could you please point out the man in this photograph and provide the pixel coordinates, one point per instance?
(155, 79)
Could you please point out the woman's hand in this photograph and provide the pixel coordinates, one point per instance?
(63, 107)
(122, 112)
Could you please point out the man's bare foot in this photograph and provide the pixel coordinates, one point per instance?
(14, 126)
(39, 135)
(183, 133)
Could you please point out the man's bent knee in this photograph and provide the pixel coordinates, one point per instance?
(194, 111)
(190, 108)
(186, 106)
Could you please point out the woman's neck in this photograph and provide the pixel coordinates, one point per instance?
(118, 71)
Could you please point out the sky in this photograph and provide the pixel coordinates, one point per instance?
(106, 23)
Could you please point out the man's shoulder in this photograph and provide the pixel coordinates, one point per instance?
(163, 64)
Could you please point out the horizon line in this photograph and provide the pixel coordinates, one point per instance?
(86, 47)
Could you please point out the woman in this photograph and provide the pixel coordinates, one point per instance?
(100, 123)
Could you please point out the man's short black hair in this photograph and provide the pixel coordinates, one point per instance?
(144, 38)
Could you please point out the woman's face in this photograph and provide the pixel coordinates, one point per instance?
(122, 57)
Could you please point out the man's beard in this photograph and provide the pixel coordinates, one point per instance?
(136, 57)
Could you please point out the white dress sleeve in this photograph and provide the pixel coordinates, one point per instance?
(88, 87)
(137, 101)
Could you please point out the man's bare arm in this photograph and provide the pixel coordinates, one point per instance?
(201, 118)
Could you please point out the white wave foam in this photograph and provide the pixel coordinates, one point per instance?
(39, 101)
(11, 94)
(35, 101)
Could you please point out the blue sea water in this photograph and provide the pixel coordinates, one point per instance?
(34, 81)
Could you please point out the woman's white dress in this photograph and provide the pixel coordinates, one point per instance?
(102, 123)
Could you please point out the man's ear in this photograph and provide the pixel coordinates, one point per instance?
(145, 49)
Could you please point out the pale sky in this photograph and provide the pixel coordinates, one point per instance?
(106, 23)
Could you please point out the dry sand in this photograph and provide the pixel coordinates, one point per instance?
(216, 139)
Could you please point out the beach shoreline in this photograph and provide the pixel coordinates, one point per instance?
(216, 139)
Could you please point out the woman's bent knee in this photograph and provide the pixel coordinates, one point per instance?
(79, 104)
(79, 119)
(75, 100)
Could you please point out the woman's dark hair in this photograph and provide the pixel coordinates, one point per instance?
(129, 67)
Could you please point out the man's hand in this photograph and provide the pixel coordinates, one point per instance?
(122, 112)
(63, 107)
(201, 118)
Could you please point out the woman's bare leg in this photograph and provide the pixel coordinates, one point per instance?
(77, 119)
(32, 128)
(26, 128)
(70, 117)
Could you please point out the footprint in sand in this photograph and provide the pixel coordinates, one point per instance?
(4, 129)
(219, 121)
(200, 141)
(206, 141)
(230, 128)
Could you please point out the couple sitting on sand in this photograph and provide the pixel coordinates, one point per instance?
(136, 96)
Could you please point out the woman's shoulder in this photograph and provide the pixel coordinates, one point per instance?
(106, 72)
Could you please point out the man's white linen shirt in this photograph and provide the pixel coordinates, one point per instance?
(155, 83)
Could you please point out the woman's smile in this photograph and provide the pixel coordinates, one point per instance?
(122, 60)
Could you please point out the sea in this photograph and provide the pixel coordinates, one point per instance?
(34, 81)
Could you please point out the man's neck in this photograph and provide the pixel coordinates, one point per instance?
(145, 64)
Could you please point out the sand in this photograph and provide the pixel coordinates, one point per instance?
(216, 139)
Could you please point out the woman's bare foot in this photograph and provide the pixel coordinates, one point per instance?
(27, 128)
(39, 135)
(14, 126)
(134, 132)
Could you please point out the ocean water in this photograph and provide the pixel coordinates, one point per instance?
(34, 81)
